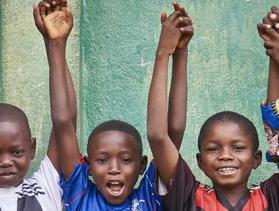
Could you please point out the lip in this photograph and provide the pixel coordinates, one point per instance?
(115, 188)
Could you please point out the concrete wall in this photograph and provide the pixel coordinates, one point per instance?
(111, 54)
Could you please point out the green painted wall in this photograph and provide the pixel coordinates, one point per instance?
(25, 68)
(111, 54)
(227, 64)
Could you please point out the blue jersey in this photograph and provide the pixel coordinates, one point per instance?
(270, 115)
(80, 193)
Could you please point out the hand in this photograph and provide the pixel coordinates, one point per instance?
(273, 17)
(171, 32)
(58, 24)
(272, 45)
(188, 30)
(49, 6)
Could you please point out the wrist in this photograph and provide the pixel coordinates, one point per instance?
(56, 43)
(162, 54)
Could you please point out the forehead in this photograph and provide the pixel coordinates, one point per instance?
(13, 132)
(113, 139)
(224, 131)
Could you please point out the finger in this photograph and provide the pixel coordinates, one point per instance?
(184, 21)
(175, 6)
(45, 3)
(268, 44)
(187, 30)
(275, 10)
(183, 12)
(174, 15)
(64, 5)
(266, 20)
(42, 10)
(268, 52)
(272, 33)
(163, 17)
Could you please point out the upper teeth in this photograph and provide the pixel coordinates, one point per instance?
(228, 169)
(115, 183)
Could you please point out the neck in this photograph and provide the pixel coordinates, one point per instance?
(232, 194)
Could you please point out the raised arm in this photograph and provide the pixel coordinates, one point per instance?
(178, 90)
(268, 32)
(58, 26)
(56, 5)
(164, 151)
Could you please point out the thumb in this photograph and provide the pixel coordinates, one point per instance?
(163, 17)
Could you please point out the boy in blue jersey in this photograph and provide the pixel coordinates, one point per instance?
(114, 149)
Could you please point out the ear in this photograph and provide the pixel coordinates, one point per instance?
(143, 164)
(198, 157)
(257, 158)
(33, 148)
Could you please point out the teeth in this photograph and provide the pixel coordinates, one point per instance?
(115, 183)
(227, 170)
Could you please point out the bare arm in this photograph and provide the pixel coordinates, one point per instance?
(164, 151)
(52, 150)
(178, 91)
(59, 25)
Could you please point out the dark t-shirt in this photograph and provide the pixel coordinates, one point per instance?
(187, 194)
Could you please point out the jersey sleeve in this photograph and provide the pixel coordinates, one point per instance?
(147, 189)
(181, 193)
(270, 116)
(76, 186)
(48, 179)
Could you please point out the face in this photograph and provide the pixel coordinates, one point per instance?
(16, 152)
(227, 155)
(115, 164)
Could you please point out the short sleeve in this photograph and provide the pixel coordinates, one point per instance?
(48, 179)
(181, 193)
(147, 190)
(76, 186)
(270, 117)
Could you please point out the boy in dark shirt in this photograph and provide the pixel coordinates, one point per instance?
(228, 149)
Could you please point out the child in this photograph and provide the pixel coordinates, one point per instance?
(228, 151)
(17, 149)
(114, 149)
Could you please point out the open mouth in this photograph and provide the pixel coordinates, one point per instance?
(115, 188)
(227, 170)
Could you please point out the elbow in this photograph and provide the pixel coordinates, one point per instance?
(156, 136)
(59, 120)
(176, 128)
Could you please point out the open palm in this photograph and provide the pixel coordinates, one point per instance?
(58, 24)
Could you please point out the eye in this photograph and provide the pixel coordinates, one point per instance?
(212, 149)
(239, 148)
(102, 161)
(126, 160)
(18, 153)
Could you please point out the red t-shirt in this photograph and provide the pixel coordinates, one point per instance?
(187, 194)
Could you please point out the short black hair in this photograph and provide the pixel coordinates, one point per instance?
(12, 113)
(229, 116)
(118, 126)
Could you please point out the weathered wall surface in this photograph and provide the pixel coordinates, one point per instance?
(25, 67)
(115, 48)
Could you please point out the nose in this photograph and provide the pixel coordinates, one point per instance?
(225, 154)
(5, 161)
(114, 167)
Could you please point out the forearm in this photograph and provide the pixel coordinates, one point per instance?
(157, 99)
(70, 86)
(178, 97)
(273, 82)
(59, 99)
